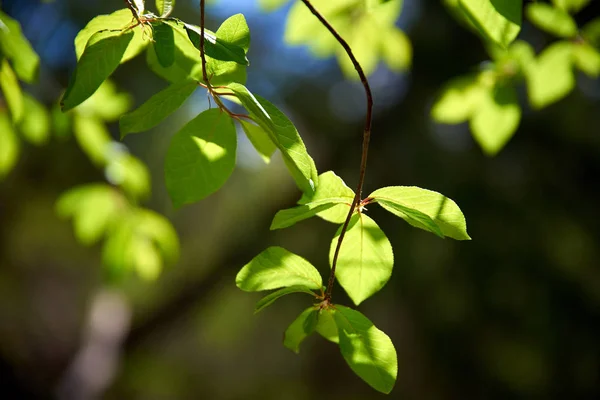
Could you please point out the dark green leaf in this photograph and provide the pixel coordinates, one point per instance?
(157, 108)
(100, 58)
(275, 268)
(367, 350)
(164, 43)
(497, 20)
(270, 298)
(14, 46)
(442, 210)
(300, 329)
(216, 48)
(201, 157)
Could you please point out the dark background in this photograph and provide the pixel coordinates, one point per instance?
(515, 313)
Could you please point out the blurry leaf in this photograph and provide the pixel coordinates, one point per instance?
(117, 21)
(146, 259)
(366, 259)
(201, 157)
(159, 230)
(271, 5)
(14, 46)
(260, 140)
(496, 119)
(270, 298)
(100, 58)
(587, 59)
(94, 208)
(551, 78)
(523, 54)
(326, 326)
(275, 268)
(139, 6)
(129, 173)
(157, 108)
(215, 47)
(9, 145)
(497, 20)
(571, 6)
(367, 350)
(164, 43)
(361, 39)
(300, 329)
(396, 49)
(442, 210)
(116, 254)
(591, 32)
(35, 126)
(106, 103)
(552, 20)
(93, 138)
(330, 185)
(61, 123)
(11, 91)
(164, 7)
(458, 100)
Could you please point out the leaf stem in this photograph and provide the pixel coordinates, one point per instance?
(365, 144)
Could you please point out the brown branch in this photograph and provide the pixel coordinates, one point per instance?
(365, 145)
(202, 56)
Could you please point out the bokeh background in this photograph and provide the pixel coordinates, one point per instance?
(515, 313)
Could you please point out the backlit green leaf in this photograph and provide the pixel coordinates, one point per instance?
(270, 298)
(496, 119)
(442, 210)
(164, 7)
(100, 58)
(326, 325)
(367, 350)
(14, 46)
(365, 260)
(331, 186)
(130, 174)
(260, 140)
(551, 78)
(290, 216)
(275, 268)
(93, 138)
(9, 145)
(215, 47)
(117, 21)
(159, 230)
(157, 108)
(271, 5)
(497, 20)
(201, 157)
(35, 125)
(106, 103)
(571, 6)
(300, 329)
(458, 100)
(11, 91)
(587, 59)
(396, 49)
(164, 43)
(551, 19)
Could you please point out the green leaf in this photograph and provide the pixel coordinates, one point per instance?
(289, 217)
(159, 230)
(157, 108)
(331, 186)
(284, 134)
(271, 5)
(551, 19)
(571, 6)
(270, 298)
(496, 119)
(100, 58)
(551, 78)
(411, 215)
(35, 125)
(442, 210)
(201, 157)
(326, 326)
(164, 43)
(591, 32)
(129, 173)
(164, 7)
(587, 59)
(92, 137)
(497, 20)
(106, 103)
(396, 49)
(365, 260)
(260, 140)
(275, 268)
(9, 145)
(234, 31)
(300, 329)
(215, 47)
(14, 46)
(458, 100)
(117, 21)
(368, 351)
(94, 208)
(11, 91)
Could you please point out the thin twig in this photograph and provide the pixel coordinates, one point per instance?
(365, 145)
(204, 74)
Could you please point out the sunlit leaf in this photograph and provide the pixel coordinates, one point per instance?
(100, 58)
(326, 325)
(215, 47)
(14, 46)
(551, 78)
(458, 100)
(497, 20)
(157, 108)
(130, 174)
(571, 6)
(11, 91)
(331, 186)
(587, 59)
(551, 19)
(159, 230)
(164, 7)
(9, 145)
(496, 119)
(146, 259)
(260, 140)
(201, 157)
(275, 268)
(288, 217)
(164, 43)
(365, 260)
(106, 103)
(396, 49)
(271, 5)
(367, 350)
(300, 329)
(442, 210)
(35, 125)
(271, 298)
(93, 138)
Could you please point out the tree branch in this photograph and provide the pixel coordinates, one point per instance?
(202, 56)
